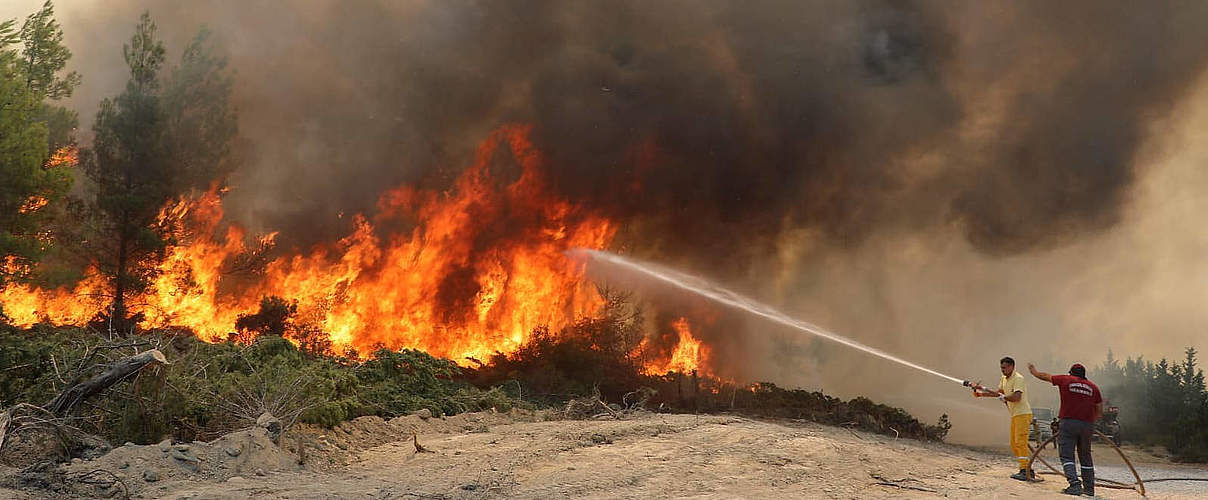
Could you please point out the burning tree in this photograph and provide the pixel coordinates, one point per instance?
(154, 142)
(36, 145)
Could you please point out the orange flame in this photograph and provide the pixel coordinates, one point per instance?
(26, 305)
(480, 268)
(66, 156)
(688, 356)
(33, 204)
(11, 265)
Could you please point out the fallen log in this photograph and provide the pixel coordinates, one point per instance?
(5, 418)
(63, 404)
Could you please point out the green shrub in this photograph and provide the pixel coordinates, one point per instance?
(395, 383)
(210, 389)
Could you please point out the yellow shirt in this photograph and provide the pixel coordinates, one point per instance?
(1009, 385)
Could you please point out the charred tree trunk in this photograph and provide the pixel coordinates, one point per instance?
(695, 392)
(66, 401)
(118, 316)
(679, 389)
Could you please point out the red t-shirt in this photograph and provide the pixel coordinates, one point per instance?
(1078, 397)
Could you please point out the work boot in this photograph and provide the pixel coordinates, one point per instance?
(1073, 489)
(1022, 475)
(1088, 482)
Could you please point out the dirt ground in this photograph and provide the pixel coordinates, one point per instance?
(525, 455)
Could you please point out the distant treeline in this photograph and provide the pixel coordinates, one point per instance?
(1163, 403)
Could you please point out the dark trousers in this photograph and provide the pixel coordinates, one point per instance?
(1076, 434)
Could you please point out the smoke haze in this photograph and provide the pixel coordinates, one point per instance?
(948, 182)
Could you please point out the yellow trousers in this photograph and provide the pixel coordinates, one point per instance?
(1019, 438)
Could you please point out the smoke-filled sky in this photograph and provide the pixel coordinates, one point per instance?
(950, 181)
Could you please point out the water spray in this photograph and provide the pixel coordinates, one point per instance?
(700, 286)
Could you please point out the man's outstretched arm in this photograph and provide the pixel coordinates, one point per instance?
(1039, 374)
(982, 392)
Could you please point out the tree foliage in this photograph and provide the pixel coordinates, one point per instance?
(36, 137)
(45, 56)
(163, 136)
(275, 317)
(1160, 403)
(201, 120)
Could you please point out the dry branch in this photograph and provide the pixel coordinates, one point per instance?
(897, 483)
(66, 401)
(262, 393)
(847, 426)
(5, 418)
(418, 448)
(905, 486)
(586, 407)
(24, 416)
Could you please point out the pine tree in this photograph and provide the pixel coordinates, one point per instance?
(201, 121)
(129, 168)
(1192, 377)
(45, 55)
(33, 171)
(156, 141)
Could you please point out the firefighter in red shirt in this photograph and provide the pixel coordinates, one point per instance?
(1081, 406)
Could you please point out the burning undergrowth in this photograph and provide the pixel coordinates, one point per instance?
(608, 358)
(462, 273)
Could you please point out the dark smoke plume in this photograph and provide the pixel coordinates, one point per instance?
(716, 126)
(1085, 84)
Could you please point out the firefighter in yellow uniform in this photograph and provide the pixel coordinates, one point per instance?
(1013, 392)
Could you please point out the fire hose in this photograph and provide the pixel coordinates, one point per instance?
(1138, 486)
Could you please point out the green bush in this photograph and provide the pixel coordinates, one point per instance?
(769, 400)
(209, 389)
(28, 358)
(398, 382)
(553, 368)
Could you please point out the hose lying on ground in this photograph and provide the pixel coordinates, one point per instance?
(1139, 486)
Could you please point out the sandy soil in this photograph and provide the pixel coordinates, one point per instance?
(521, 456)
